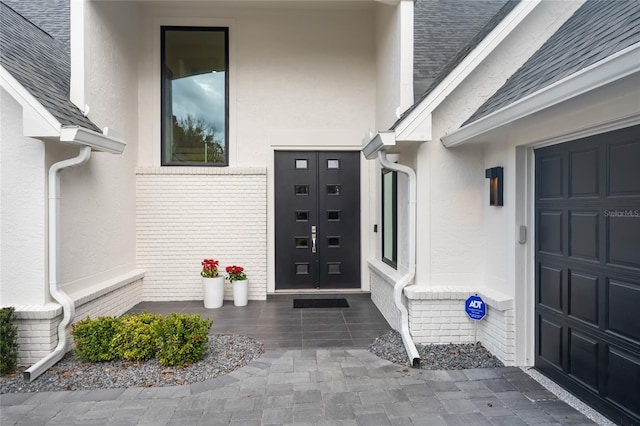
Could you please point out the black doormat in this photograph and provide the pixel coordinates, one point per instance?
(320, 303)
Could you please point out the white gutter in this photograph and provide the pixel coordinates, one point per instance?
(68, 307)
(609, 70)
(398, 288)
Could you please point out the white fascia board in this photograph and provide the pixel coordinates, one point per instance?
(37, 121)
(417, 125)
(97, 141)
(609, 70)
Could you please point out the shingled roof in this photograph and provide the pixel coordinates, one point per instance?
(52, 16)
(40, 63)
(596, 31)
(445, 31)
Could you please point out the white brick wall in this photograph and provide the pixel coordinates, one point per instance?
(382, 297)
(186, 214)
(498, 334)
(440, 322)
(37, 337)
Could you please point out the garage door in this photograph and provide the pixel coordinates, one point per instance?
(588, 269)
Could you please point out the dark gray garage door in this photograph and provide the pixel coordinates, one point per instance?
(588, 269)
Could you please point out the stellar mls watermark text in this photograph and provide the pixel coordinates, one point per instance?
(622, 213)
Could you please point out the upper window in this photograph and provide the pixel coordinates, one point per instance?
(195, 93)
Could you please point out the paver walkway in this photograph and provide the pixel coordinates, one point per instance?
(309, 386)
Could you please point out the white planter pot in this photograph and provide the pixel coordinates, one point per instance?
(213, 289)
(240, 292)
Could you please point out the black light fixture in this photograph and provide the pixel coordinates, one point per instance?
(495, 176)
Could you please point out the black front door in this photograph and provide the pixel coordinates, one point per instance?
(588, 269)
(317, 207)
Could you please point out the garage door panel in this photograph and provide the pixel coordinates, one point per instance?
(623, 306)
(587, 211)
(583, 297)
(550, 235)
(623, 385)
(550, 346)
(584, 234)
(550, 294)
(623, 232)
(550, 177)
(584, 359)
(584, 173)
(624, 173)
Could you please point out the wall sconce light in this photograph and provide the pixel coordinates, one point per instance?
(495, 176)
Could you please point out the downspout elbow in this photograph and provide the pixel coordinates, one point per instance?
(68, 306)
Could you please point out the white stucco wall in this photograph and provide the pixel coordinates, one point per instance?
(98, 199)
(22, 210)
(462, 250)
(293, 82)
(394, 61)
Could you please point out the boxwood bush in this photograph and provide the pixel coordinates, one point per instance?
(93, 338)
(137, 338)
(8, 341)
(182, 339)
(176, 340)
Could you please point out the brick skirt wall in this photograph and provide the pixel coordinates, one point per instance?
(38, 325)
(437, 315)
(186, 214)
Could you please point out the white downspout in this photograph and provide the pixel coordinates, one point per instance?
(409, 346)
(68, 307)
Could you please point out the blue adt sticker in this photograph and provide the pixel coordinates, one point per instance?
(475, 308)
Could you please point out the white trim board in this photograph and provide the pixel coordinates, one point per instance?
(616, 67)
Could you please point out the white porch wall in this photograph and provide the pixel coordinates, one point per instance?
(302, 77)
(98, 198)
(22, 210)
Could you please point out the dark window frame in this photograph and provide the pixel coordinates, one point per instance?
(393, 262)
(164, 162)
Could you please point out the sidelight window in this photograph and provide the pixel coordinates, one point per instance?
(390, 217)
(195, 91)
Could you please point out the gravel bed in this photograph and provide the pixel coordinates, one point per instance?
(226, 353)
(389, 346)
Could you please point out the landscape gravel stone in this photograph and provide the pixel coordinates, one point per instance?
(460, 356)
(225, 354)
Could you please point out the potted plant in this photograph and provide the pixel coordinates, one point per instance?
(212, 284)
(240, 285)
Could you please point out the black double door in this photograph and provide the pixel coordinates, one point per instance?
(588, 269)
(317, 220)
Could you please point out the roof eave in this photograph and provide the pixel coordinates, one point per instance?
(39, 123)
(617, 66)
(413, 127)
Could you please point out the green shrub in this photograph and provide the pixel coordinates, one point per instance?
(93, 338)
(8, 341)
(182, 339)
(136, 339)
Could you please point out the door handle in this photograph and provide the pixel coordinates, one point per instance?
(313, 239)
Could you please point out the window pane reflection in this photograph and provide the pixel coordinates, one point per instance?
(194, 96)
